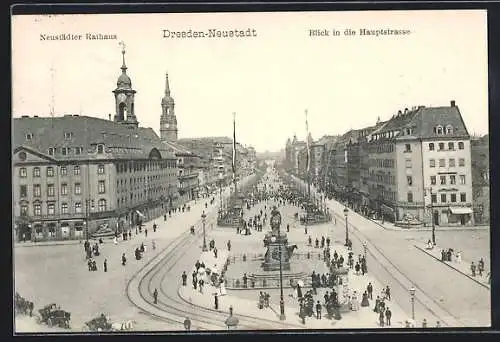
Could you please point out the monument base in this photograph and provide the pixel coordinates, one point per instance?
(272, 257)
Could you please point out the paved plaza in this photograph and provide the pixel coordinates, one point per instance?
(57, 273)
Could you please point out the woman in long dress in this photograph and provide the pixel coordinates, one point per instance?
(222, 287)
(354, 302)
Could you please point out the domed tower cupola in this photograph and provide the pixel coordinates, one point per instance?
(124, 96)
(168, 120)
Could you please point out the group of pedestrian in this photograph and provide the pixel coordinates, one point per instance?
(263, 300)
(479, 268)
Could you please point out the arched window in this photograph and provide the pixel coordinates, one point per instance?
(101, 206)
(439, 129)
(449, 129)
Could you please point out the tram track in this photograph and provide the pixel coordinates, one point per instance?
(171, 307)
(395, 272)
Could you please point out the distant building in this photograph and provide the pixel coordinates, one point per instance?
(480, 149)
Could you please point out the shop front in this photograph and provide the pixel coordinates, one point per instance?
(460, 216)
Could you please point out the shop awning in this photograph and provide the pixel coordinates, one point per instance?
(461, 210)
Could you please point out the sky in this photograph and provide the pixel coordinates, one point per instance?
(269, 81)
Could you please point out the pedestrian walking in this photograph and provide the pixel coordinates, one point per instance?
(124, 259)
(480, 266)
(473, 269)
(388, 315)
(200, 285)
(369, 288)
(184, 278)
(154, 227)
(438, 324)
(89, 264)
(424, 323)
(187, 324)
(105, 265)
(229, 245)
(245, 280)
(153, 244)
(129, 234)
(357, 268)
(155, 296)
(146, 232)
(388, 293)
(381, 318)
(318, 310)
(216, 302)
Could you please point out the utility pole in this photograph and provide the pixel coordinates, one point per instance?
(432, 216)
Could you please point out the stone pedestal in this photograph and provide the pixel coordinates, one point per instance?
(272, 257)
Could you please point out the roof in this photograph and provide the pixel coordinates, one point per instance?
(423, 120)
(120, 141)
(178, 149)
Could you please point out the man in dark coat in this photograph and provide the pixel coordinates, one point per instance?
(155, 296)
(184, 278)
(124, 259)
(369, 289)
(216, 302)
(318, 310)
(388, 315)
(105, 265)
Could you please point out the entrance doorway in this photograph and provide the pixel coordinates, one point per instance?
(436, 218)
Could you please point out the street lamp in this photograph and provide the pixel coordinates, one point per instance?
(346, 211)
(203, 217)
(282, 301)
(364, 248)
(412, 294)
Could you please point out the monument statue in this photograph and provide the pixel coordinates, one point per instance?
(277, 245)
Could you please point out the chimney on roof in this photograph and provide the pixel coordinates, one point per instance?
(452, 102)
(399, 113)
(25, 116)
(406, 110)
(109, 116)
(35, 116)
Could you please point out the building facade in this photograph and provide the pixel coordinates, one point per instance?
(420, 167)
(73, 175)
(481, 179)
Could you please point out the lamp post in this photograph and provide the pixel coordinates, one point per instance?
(346, 211)
(412, 295)
(364, 248)
(432, 217)
(282, 301)
(203, 217)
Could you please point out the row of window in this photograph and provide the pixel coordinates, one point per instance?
(145, 165)
(67, 135)
(453, 180)
(451, 162)
(442, 130)
(451, 146)
(37, 189)
(381, 148)
(66, 151)
(388, 163)
(51, 208)
(443, 197)
(63, 171)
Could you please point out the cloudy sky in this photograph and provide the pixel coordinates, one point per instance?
(345, 82)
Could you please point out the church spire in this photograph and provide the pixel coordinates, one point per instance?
(124, 67)
(167, 86)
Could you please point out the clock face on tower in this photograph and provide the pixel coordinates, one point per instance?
(122, 97)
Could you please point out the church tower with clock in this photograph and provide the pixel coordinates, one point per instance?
(168, 120)
(124, 97)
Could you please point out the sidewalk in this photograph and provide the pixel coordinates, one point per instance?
(48, 243)
(462, 267)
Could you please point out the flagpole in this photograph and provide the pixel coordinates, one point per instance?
(308, 159)
(234, 153)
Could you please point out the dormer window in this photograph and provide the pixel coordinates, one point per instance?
(439, 129)
(68, 135)
(29, 136)
(51, 151)
(449, 129)
(100, 148)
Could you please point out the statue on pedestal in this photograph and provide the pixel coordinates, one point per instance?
(277, 244)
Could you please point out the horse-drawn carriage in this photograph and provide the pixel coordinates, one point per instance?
(100, 323)
(53, 315)
(23, 306)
